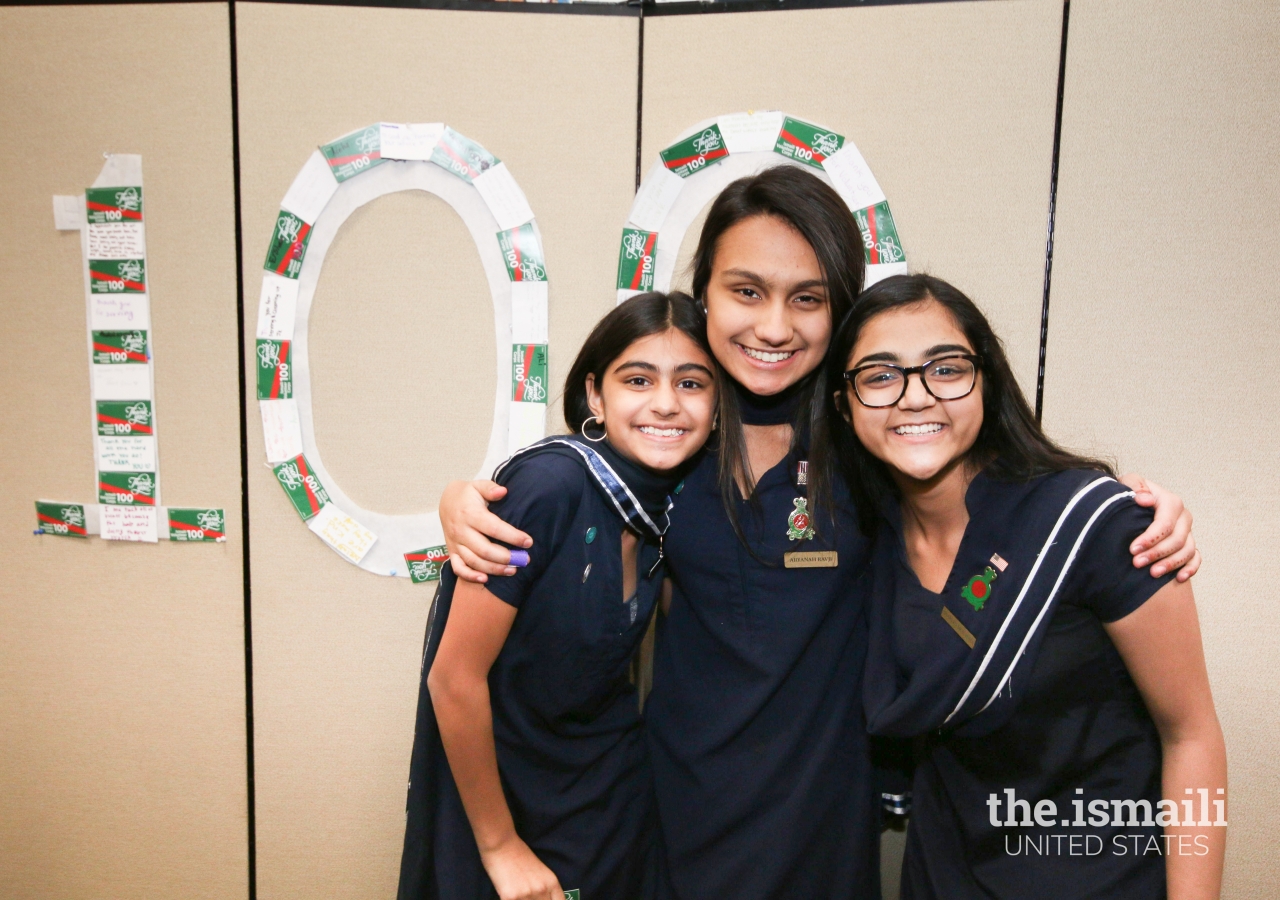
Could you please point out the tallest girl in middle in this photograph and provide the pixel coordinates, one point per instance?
(758, 744)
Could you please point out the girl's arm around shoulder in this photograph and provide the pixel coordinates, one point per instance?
(459, 686)
(544, 493)
(1167, 545)
(535, 489)
(1161, 647)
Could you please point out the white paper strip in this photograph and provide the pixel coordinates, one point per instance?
(414, 141)
(68, 212)
(852, 178)
(117, 240)
(311, 190)
(625, 294)
(277, 306)
(127, 454)
(341, 532)
(129, 523)
(108, 312)
(528, 423)
(120, 170)
(883, 271)
(129, 382)
(281, 430)
(750, 132)
(503, 197)
(529, 312)
(657, 194)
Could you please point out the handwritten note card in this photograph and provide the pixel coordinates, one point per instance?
(130, 523)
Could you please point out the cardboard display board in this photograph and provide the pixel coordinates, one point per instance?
(401, 404)
(1161, 360)
(122, 719)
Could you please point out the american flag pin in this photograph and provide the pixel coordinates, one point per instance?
(998, 561)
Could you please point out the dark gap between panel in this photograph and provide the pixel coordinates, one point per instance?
(1053, 205)
(252, 835)
(639, 100)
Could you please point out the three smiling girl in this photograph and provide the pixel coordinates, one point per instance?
(781, 579)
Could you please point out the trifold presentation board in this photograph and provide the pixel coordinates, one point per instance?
(435, 207)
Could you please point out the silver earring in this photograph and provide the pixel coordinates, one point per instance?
(603, 434)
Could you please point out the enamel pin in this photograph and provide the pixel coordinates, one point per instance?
(799, 528)
(799, 525)
(979, 588)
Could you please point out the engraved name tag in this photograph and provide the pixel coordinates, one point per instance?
(811, 559)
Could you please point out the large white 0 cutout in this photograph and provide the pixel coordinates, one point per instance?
(514, 424)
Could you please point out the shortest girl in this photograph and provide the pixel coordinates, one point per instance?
(529, 777)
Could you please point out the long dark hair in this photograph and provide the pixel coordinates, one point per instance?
(628, 322)
(1010, 445)
(815, 210)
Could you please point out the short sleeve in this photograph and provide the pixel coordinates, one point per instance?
(543, 494)
(1104, 577)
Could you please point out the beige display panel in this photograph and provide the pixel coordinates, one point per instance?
(401, 352)
(951, 104)
(1163, 328)
(122, 727)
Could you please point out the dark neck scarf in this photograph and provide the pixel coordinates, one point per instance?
(652, 489)
(775, 409)
(641, 496)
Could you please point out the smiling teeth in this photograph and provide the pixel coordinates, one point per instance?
(766, 356)
(931, 428)
(662, 432)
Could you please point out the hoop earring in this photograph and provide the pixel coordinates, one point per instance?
(603, 434)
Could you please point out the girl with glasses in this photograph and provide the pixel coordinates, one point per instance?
(1066, 739)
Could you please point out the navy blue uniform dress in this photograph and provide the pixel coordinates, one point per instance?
(1041, 705)
(755, 723)
(566, 722)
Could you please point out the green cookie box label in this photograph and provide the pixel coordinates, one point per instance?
(879, 235)
(197, 524)
(127, 488)
(116, 204)
(304, 489)
(113, 348)
(462, 156)
(275, 370)
(424, 565)
(117, 417)
(522, 253)
(807, 143)
(63, 519)
(529, 373)
(694, 154)
(118, 276)
(354, 153)
(635, 260)
(288, 245)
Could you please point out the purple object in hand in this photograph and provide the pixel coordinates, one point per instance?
(519, 558)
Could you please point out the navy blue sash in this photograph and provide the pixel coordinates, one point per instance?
(971, 690)
(614, 487)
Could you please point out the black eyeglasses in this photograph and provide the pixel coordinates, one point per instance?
(881, 384)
